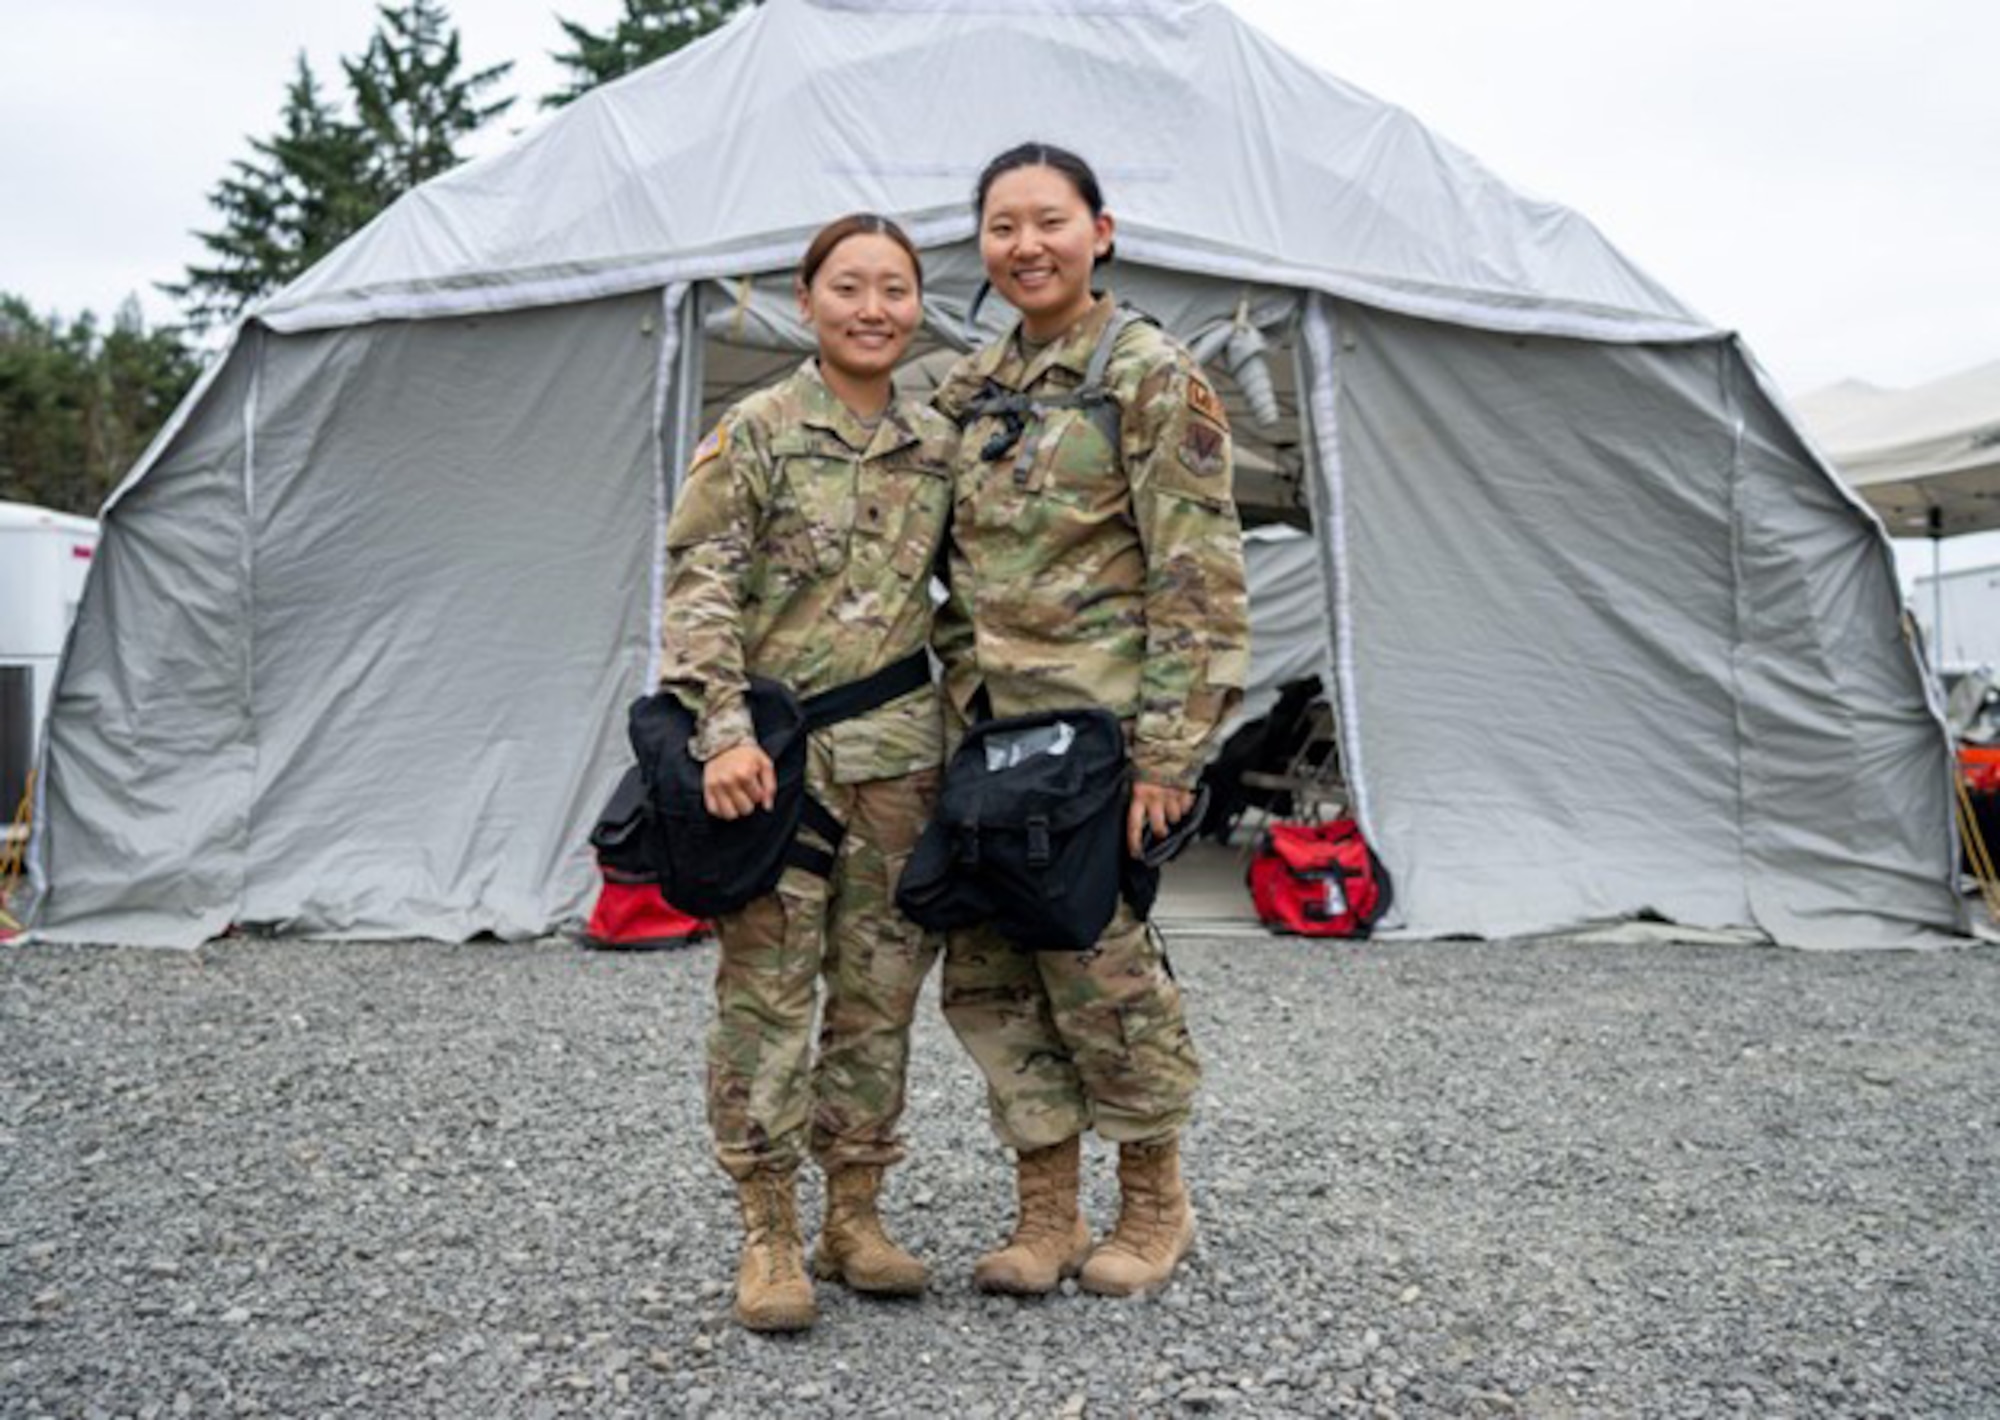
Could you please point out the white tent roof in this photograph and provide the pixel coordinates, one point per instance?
(1233, 157)
(1927, 459)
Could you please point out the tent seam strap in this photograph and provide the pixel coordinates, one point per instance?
(1321, 343)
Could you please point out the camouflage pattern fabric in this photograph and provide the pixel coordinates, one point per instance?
(1087, 575)
(1074, 1040)
(1083, 575)
(769, 1096)
(800, 548)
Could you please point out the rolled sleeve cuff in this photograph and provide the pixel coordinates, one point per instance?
(1175, 766)
(1171, 750)
(725, 724)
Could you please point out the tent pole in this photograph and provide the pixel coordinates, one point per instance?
(1937, 591)
(1311, 471)
(1316, 374)
(690, 369)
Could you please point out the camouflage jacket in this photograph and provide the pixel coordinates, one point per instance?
(1087, 575)
(800, 548)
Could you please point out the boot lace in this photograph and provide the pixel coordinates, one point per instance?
(777, 1229)
(1142, 1214)
(1041, 1215)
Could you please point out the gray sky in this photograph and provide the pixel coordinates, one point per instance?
(1821, 175)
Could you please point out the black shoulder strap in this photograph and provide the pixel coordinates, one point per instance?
(1015, 409)
(1100, 357)
(1093, 396)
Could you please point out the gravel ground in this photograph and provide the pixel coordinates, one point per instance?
(1444, 1179)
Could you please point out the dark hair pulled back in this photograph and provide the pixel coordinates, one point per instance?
(1045, 155)
(855, 224)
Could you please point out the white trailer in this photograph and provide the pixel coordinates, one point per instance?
(1960, 614)
(44, 559)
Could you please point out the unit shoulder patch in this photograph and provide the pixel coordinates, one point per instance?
(1203, 400)
(1202, 450)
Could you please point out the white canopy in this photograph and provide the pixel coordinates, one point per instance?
(1607, 639)
(1926, 459)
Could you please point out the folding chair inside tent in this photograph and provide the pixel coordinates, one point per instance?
(1312, 778)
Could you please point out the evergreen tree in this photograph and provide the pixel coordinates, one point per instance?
(324, 176)
(142, 376)
(410, 98)
(328, 164)
(77, 407)
(42, 380)
(648, 30)
(306, 190)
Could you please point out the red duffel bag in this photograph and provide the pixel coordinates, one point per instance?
(631, 915)
(1318, 880)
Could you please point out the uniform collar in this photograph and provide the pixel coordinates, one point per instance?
(1072, 349)
(896, 431)
(820, 408)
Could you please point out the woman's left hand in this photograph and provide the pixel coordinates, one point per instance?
(1155, 806)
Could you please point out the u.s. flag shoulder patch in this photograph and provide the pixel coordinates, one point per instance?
(710, 447)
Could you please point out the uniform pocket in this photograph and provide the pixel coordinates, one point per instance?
(812, 515)
(1083, 468)
(1153, 1033)
(920, 497)
(903, 950)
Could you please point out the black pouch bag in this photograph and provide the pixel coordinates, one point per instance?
(711, 866)
(627, 844)
(1029, 832)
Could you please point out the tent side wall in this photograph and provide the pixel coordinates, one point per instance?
(1599, 647)
(420, 710)
(1848, 832)
(143, 813)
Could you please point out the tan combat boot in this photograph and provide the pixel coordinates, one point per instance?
(773, 1292)
(1155, 1224)
(1050, 1238)
(852, 1246)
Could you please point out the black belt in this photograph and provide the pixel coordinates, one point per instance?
(858, 697)
(830, 707)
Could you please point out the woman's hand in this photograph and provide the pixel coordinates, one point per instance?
(738, 782)
(1155, 806)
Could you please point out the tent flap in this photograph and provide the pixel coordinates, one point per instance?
(143, 817)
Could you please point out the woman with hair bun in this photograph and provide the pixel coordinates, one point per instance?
(801, 546)
(1096, 561)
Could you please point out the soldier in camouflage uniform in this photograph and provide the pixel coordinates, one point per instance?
(801, 547)
(1086, 573)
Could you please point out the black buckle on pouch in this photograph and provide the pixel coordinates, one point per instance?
(1040, 852)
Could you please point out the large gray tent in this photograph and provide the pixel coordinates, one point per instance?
(1608, 639)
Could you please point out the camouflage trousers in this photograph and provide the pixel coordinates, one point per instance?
(770, 1095)
(1071, 1040)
